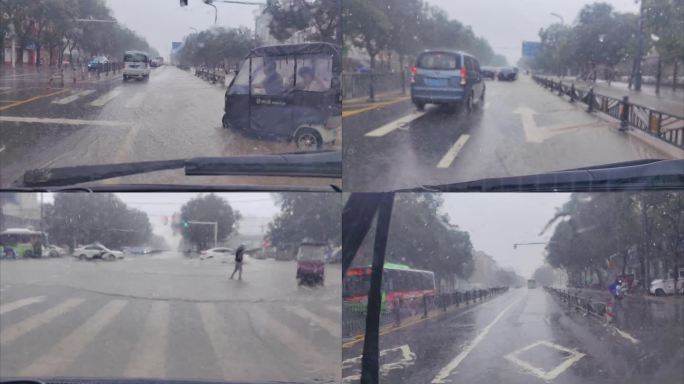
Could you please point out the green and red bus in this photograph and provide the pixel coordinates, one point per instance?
(399, 282)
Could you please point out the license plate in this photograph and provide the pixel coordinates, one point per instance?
(436, 82)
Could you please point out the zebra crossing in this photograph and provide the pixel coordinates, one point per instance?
(99, 98)
(241, 337)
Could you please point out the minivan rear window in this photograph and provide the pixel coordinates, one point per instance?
(135, 58)
(439, 60)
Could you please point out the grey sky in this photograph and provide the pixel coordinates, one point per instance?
(496, 221)
(164, 21)
(505, 23)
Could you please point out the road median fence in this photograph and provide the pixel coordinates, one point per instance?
(664, 126)
(597, 308)
(75, 73)
(366, 84)
(404, 311)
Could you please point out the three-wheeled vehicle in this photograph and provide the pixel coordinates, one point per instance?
(311, 263)
(289, 91)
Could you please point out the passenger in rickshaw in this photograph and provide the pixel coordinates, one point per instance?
(307, 81)
(273, 82)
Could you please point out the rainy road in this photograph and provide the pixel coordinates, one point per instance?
(174, 115)
(527, 336)
(523, 129)
(167, 316)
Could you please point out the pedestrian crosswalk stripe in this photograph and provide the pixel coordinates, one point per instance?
(75, 96)
(9, 307)
(149, 357)
(304, 348)
(106, 98)
(230, 357)
(57, 360)
(135, 100)
(333, 328)
(23, 327)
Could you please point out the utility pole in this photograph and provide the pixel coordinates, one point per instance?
(640, 49)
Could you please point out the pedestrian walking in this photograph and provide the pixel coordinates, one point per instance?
(239, 253)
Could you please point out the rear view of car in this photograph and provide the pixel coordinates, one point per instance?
(446, 77)
(508, 74)
(488, 72)
(136, 65)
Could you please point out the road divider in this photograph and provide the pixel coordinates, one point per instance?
(665, 126)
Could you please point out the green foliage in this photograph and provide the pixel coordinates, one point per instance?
(316, 217)
(216, 46)
(208, 208)
(544, 275)
(318, 19)
(86, 218)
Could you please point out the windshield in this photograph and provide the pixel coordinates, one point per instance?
(592, 83)
(111, 82)
(522, 288)
(161, 309)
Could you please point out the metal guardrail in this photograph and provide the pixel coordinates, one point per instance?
(212, 75)
(589, 306)
(359, 84)
(354, 315)
(82, 72)
(665, 126)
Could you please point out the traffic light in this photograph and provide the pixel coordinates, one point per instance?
(185, 224)
(183, 3)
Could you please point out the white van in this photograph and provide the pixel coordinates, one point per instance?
(136, 65)
(661, 287)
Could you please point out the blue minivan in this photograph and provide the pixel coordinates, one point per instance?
(447, 77)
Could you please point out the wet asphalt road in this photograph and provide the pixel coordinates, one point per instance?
(166, 316)
(527, 336)
(522, 129)
(174, 115)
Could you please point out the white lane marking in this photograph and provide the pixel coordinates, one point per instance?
(453, 364)
(2, 149)
(57, 360)
(17, 330)
(332, 327)
(552, 374)
(5, 88)
(405, 359)
(391, 126)
(626, 335)
(75, 96)
(43, 120)
(453, 152)
(228, 353)
(306, 351)
(106, 98)
(136, 100)
(5, 308)
(149, 357)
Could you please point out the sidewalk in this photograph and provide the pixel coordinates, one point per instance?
(668, 101)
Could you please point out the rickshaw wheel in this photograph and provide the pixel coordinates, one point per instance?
(308, 139)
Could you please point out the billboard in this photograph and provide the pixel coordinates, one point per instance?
(175, 45)
(531, 48)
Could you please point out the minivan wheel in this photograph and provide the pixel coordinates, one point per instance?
(420, 106)
(308, 139)
(225, 122)
(469, 103)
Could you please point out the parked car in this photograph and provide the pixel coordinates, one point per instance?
(488, 72)
(97, 251)
(54, 251)
(662, 287)
(446, 77)
(97, 62)
(507, 74)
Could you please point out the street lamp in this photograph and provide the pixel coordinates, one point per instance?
(211, 3)
(515, 245)
(558, 16)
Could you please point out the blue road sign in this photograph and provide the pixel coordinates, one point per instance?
(531, 48)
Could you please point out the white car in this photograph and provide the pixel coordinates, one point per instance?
(216, 252)
(54, 251)
(136, 65)
(97, 251)
(661, 287)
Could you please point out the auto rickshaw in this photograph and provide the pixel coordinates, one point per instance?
(289, 91)
(311, 263)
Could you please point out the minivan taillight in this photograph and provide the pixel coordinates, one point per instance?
(413, 74)
(464, 74)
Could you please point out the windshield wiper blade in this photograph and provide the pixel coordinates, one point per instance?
(326, 164)
(633, 175)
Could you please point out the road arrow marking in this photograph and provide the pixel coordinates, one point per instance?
(396, 124)
(552, 374)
